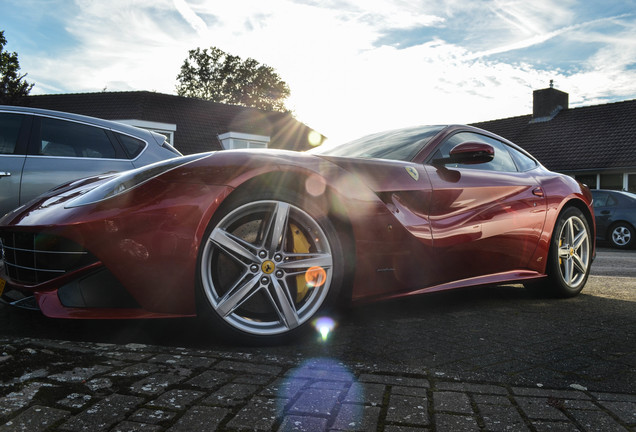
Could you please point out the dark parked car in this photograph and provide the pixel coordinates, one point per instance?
(40, 149)
(615, 213)
(262, 243)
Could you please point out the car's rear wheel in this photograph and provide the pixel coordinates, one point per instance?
(267, 266)
(622, 235)
(570, 254)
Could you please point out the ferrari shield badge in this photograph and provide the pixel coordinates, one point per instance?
(413, 173)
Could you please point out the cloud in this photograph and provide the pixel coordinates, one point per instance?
(192, 18)
(353, 67)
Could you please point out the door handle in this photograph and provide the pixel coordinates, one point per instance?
(537, 192)
(5, 174)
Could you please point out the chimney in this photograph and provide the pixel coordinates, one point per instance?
(546, 103)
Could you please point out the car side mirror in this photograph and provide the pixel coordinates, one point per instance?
(468, 153)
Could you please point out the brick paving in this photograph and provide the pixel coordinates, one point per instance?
(480, 360)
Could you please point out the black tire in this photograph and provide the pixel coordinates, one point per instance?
(621, 235)
(268, 265)
(570, 254)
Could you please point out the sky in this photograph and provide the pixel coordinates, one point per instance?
(354, 67)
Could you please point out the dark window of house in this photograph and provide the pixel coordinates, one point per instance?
(631, 183)
(587, 179)
(132, 145)
(70, 139)
(9, 132)
(612, 181)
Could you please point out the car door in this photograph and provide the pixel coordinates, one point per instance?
(14, 129)
(604, 209)
(62, 150)
(485, 218)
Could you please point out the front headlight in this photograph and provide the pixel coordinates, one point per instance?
(128, 180)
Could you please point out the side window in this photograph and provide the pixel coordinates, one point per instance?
(132, 145)
(501, 162)
(9, 132)
(70, 139)
(600, 199)
(523, 161)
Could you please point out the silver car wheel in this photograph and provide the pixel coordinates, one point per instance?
(266, 267)
(621, 236)
(574, 252)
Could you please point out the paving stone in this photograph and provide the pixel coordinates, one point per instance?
(394, 380)
(597, 421)
(491, 399)
(562, 394)
(200, 418)
(259, 414)
(153, 416)
(626, 411)
(183, 361)
(34, 419)
(408, 409)
(303, 424)
(472, 388)
(286, 388)
(155, 384)
(316, 402)
(354, 417)
(231, 394)
(410, 391)
(501, 418)
(453, 402)
(136, 370)
(455, 423)
(128, 426)
(554, 426)
(103, 414)
(75, 400)
(365, 393)
(251, 368)
(177, 399)
(210, 379)
(80, 374)
(17, 400)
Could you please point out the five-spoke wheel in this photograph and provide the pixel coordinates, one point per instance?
(622, 235)
(268, 266)
(570, 253)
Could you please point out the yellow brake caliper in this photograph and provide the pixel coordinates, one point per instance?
(301, 245)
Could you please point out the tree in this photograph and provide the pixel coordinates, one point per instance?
(221, 77)
(12, 85)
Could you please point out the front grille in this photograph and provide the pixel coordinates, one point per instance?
(32, 259)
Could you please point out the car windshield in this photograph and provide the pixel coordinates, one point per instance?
(401, 144)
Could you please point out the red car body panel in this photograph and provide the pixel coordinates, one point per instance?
(415, 227)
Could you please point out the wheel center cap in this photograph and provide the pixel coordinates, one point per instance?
(268, 267)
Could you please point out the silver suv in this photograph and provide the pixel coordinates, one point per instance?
(40, 149)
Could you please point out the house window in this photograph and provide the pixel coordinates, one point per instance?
(612, 181)
(631, 182)
(587, 179)
(165, 129)
(235, 140)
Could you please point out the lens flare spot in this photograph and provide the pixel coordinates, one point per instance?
(324, 326)
(315, 185)
(315, 276)
(314, 138)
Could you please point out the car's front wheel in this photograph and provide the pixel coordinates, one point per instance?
(267, 267)
(570, 254)
(622, 235)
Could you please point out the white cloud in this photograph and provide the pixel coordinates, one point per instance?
(343, 84)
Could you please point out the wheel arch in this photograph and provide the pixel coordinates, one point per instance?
(309, 185)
